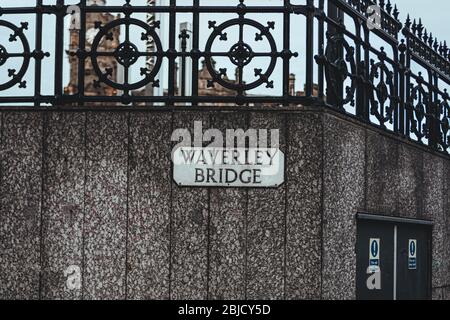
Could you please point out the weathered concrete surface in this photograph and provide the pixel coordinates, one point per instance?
(105, 221)
(344, 162)
(109, 206)
(63, 203)
(416, 187)
(410, 196)
(20, 205)
(304, 204)
(266, 225)
(382, 169)
(227, 226)
(447, 223)
(148, 245)
(189, 230)
(434, 209)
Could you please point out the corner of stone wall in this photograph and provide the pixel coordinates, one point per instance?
(304, 187)
(437, 208)
(343, 195)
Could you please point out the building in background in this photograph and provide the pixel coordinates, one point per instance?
(185, 64)
(91, 89)
(163, 19)
(183, 68)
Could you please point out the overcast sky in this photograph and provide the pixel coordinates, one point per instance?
(434, 15)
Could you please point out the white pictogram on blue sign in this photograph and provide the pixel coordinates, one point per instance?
(374, 254)
(412, 254)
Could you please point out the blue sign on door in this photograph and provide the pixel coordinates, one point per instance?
(412, 254)
(374, 253)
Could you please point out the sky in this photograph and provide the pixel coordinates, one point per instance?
(433, 15)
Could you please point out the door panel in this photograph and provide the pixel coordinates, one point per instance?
(384, 232)
(413, 280)
(412, 256)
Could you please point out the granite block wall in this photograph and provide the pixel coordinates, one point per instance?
(63, 202)
(189, 233)
(149, 206)
(21, 206)
(419, 189)
(304, 206)
(266, 226)
(94, 191)
(343, 196)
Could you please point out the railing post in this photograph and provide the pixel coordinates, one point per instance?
(286, 47)
(407, 77)
(172, 49)
(38, 68)
(429, 112)
(321, 81)
(335, 14)
(402, 88)
(362, 100)
(82, 49)
(435, 121)
(59, 49)
(310, 49)
(183, 45)
(195, 48)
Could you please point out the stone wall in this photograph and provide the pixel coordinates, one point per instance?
(94, 190)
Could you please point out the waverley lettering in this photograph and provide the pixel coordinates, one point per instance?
(224, 157)
(237, 159)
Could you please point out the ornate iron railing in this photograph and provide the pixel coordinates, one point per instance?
(370, 66)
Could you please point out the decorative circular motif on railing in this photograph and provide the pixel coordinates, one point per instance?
(338, 68)
(3, 55)
(445, 124)
(241, 54)
(445, 121)
(416, 107)
(127, 53)
(17, 34)
(383, 91)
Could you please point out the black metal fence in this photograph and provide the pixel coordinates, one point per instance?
(357, 57)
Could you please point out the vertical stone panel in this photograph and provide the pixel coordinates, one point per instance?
(266, 227)
(189, 230)
(438, 294)
(382, 174)
(304, 205)
(149, 206)
(63, 204)
(20, 205)
(344, 152)
(447, 293)
(228, 211)
(410, 196)
(433, 209)
(447, 224)
(105, 220)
